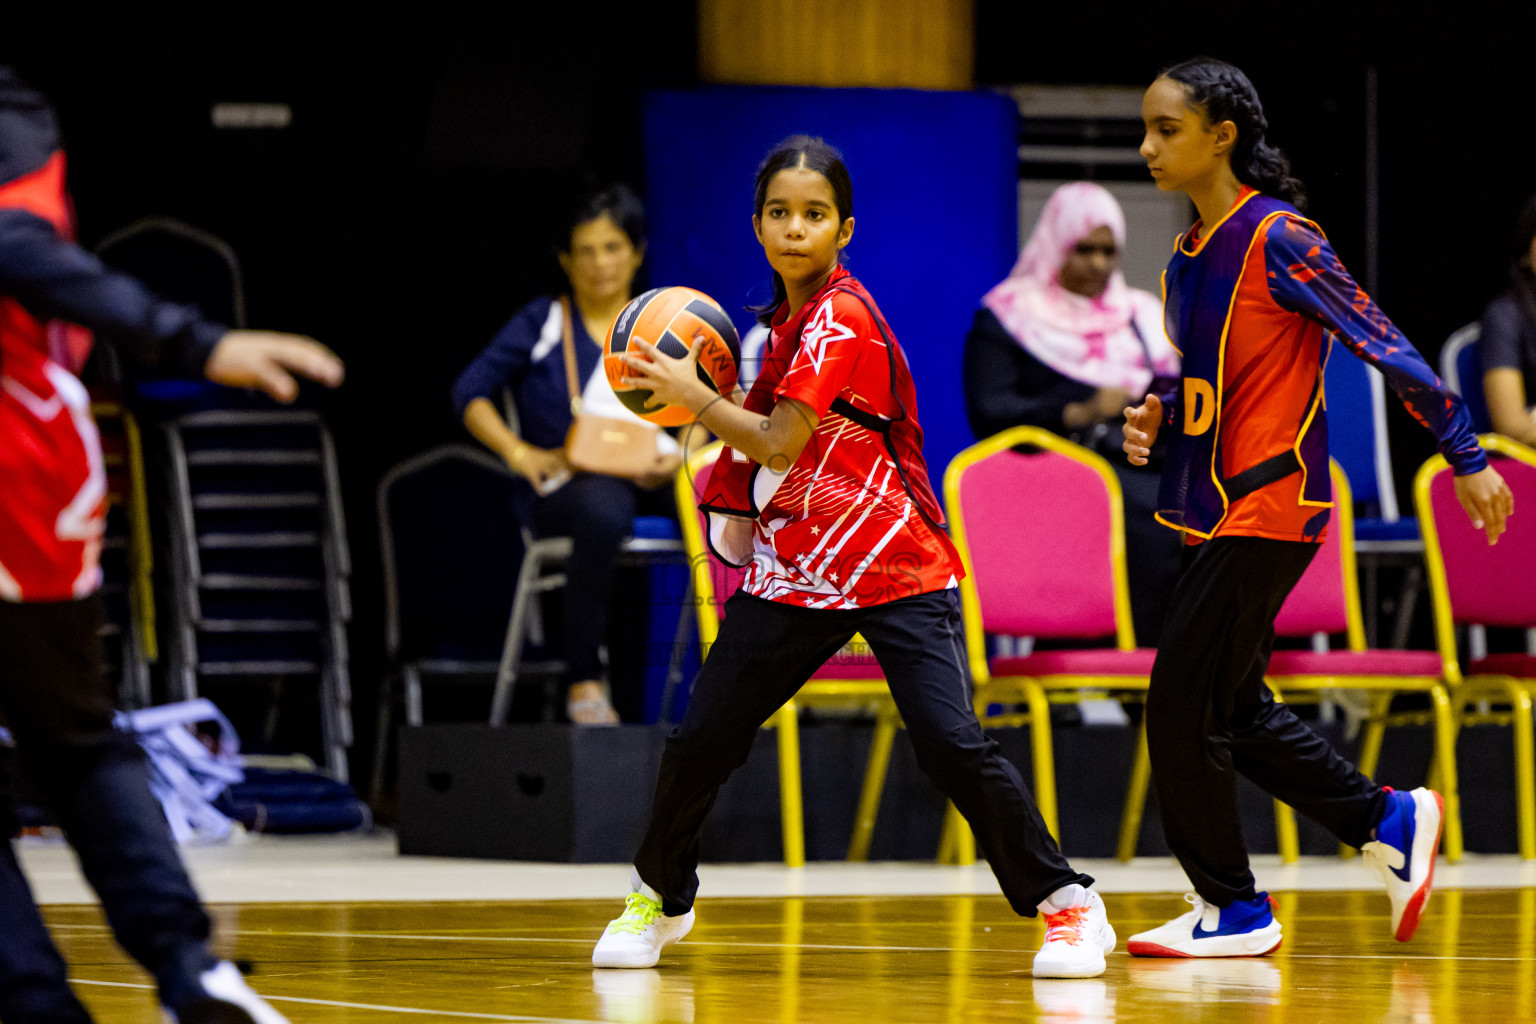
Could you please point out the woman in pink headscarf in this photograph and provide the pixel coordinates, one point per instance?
(1065, 344)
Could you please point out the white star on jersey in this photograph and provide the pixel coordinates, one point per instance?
(822, 329)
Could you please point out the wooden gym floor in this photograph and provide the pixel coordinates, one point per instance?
(962, 957)
(466, 940)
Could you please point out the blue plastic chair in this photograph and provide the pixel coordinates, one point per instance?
(1357, 439)
(1461, 365)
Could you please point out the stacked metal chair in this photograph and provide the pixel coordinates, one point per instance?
(252, 519)
(126, 554)
(259, 561)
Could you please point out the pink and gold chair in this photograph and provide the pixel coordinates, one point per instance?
(1042, 535)
(853, 679)
(1474, 584)
(1327, 601)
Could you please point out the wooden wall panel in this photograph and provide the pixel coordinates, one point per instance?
(920, 44)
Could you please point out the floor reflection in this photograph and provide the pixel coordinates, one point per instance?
(1074, 1001)
(644, 996)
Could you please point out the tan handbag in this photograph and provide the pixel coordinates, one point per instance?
(602, 444)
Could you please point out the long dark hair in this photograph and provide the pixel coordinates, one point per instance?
(1221, 92)
(813, 154)
(1522, 275)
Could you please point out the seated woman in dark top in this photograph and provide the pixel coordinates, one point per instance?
(1065, 344)
(600, 256)
(1508, 341)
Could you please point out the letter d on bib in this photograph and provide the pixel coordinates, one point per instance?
(1199, 405)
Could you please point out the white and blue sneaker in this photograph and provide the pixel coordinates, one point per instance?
(1402, 851)
(1245, 928)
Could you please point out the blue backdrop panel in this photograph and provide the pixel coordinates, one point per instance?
(935, 191)
(1351, 421)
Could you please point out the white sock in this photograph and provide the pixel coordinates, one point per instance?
(1073, 895)
(636, 885)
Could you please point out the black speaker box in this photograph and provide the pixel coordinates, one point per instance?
(527, 792)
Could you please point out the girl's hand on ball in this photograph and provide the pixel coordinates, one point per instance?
(671, 381)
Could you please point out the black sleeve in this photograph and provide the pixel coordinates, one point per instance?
(1499, 337)
(55, 279)
(1005, 386)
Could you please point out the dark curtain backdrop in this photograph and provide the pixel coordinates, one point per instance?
(410, 207)
(1454, 100)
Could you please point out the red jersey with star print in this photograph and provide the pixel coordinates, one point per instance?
(854, 521)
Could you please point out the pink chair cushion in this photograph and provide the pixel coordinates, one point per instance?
(1521, 666)
(1316, 605)
(1038, 528)
(840, 666)
(1490, 585)
(1355, 663)
(1101, 661)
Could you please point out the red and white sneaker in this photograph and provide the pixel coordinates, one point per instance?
(1077, 935)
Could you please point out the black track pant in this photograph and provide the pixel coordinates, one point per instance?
(1210, 717)
(58, 705)
(765, 652)
(597, 513)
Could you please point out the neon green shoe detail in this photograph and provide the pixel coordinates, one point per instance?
(639, 911)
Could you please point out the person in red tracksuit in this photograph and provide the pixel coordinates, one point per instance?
(824, 490)
(53, 694)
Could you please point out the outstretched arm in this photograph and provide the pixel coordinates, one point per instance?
(56, 279)
(1306, 277)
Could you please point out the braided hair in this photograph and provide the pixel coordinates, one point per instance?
(1221, 92)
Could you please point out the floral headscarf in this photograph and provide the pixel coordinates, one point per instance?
(1092, 340)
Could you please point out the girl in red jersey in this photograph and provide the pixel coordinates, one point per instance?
(825, 492)
(1250, 298)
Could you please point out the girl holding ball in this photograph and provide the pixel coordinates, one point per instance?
(823, 493)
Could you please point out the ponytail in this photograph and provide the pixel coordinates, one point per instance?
(1221, 92)
(765, 312)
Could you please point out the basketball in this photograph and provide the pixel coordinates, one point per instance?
(672, 319)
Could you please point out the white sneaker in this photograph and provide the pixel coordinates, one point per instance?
(227, 1000)
(1077, 935)
(636, 937)
(1402, 852)
(1246, 928)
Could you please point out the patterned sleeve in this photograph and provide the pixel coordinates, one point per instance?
(830, 344)
(1307, 278)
